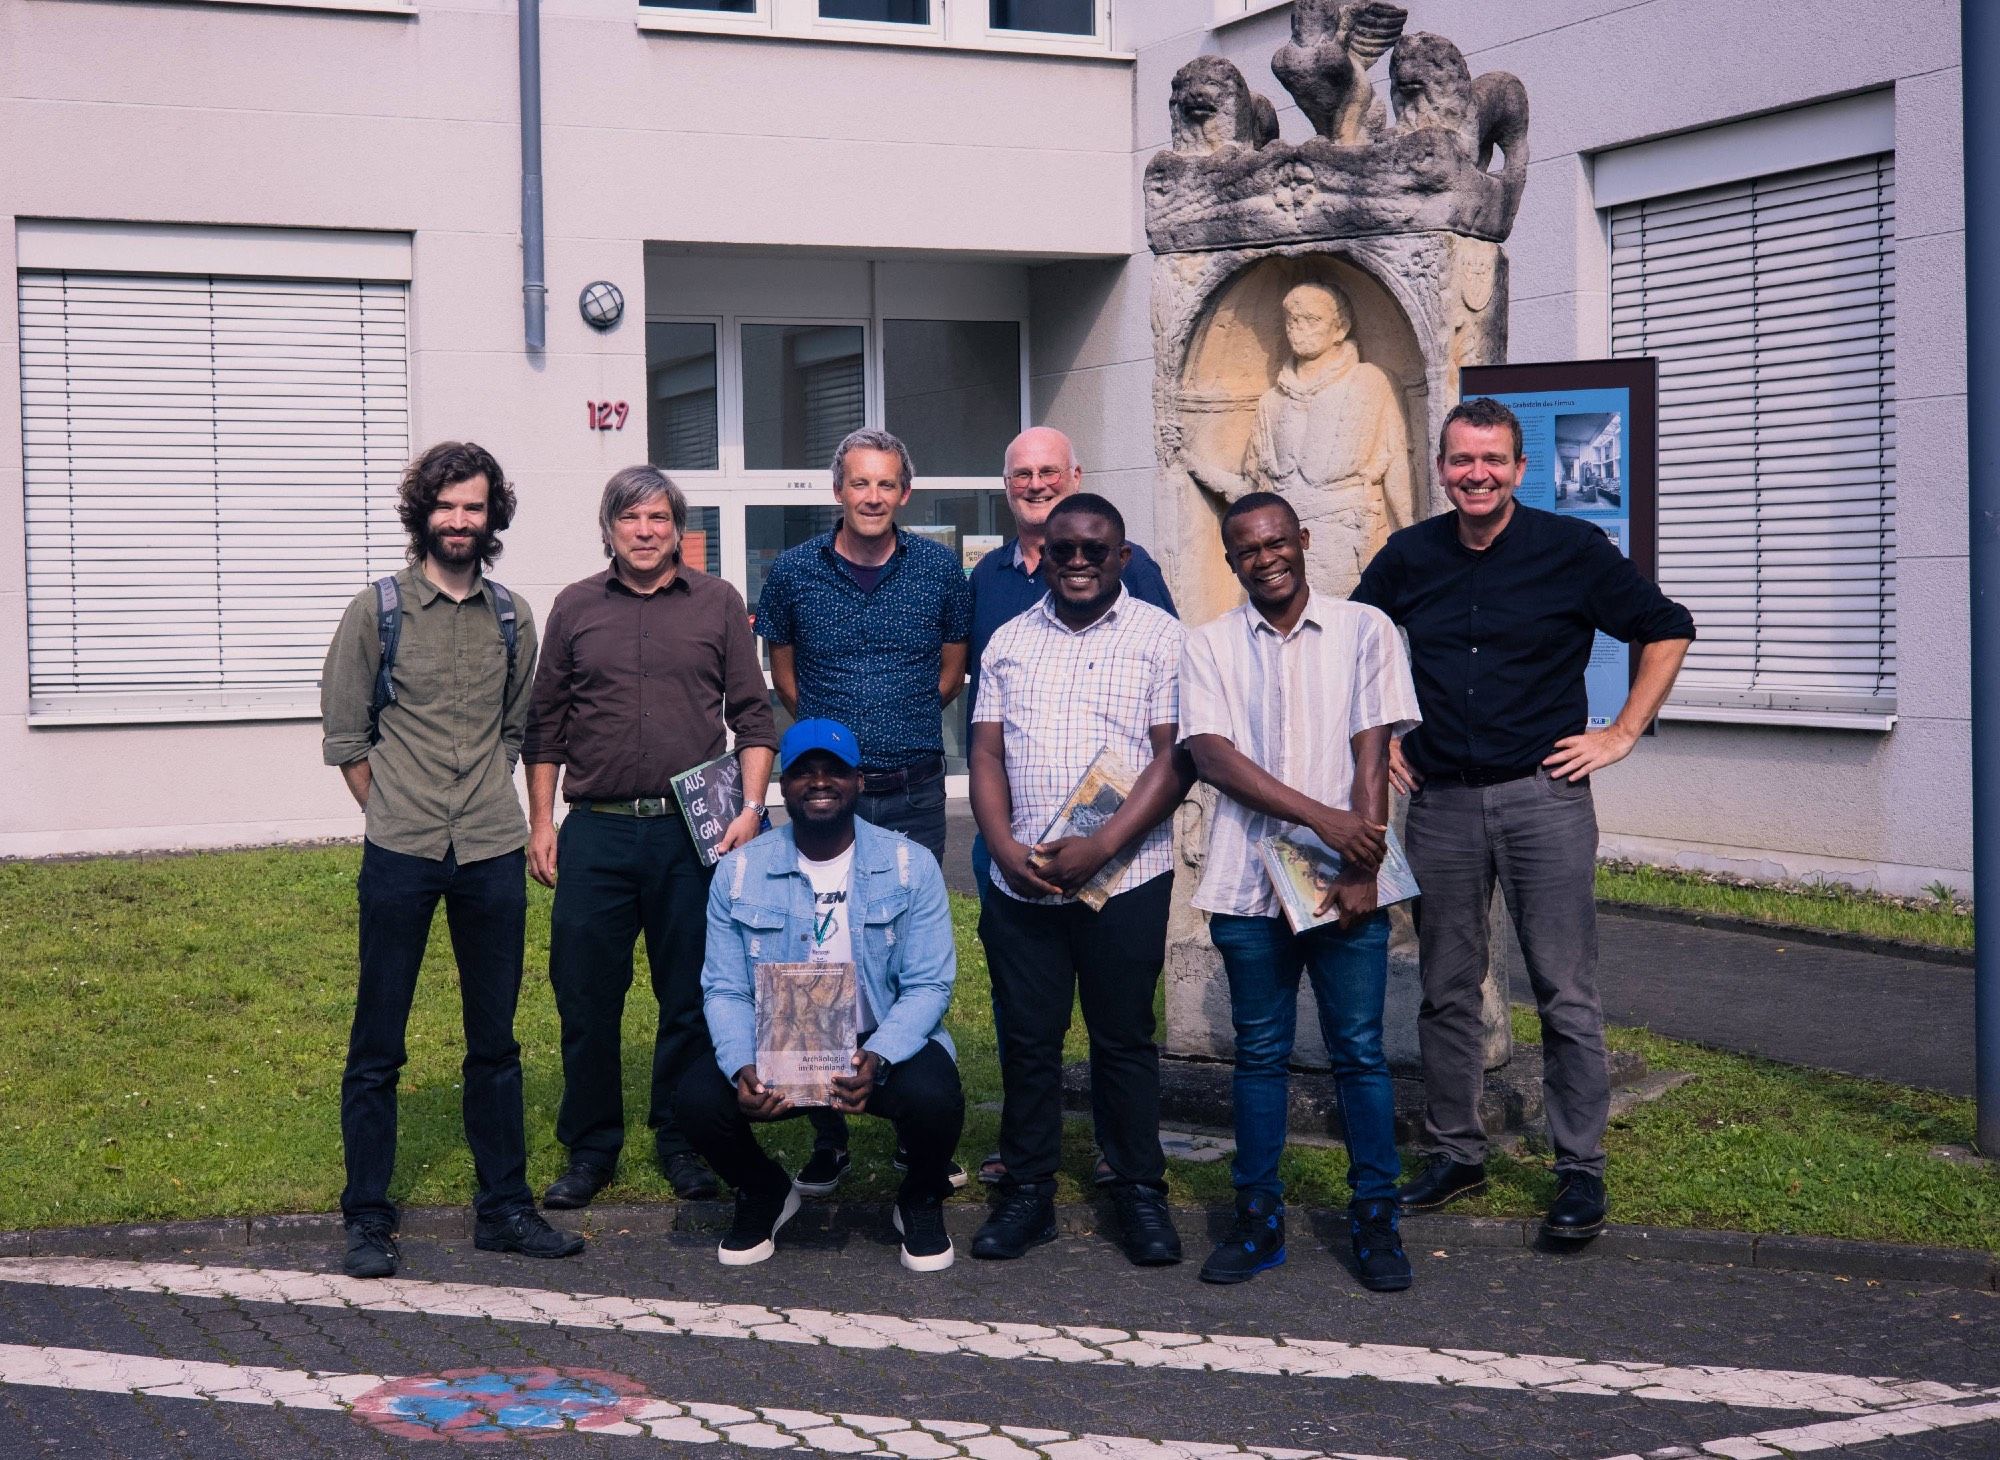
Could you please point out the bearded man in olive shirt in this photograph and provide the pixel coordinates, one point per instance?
(642, 667)
(433, 768)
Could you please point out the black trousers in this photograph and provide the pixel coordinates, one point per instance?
(486, 908)
(922, 1098)
(1042, 956)
(616, 878)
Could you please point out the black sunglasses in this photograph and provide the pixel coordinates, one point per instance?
(1094, 553)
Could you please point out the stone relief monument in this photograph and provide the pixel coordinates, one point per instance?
(1313, 302)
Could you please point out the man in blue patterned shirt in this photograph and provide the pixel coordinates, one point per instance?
(868, 626)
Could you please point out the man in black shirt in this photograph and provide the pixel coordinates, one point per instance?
(1501, 602)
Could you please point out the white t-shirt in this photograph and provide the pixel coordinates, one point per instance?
(833, 941)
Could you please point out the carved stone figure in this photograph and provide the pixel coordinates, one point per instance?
(1325, 67)
(1213, 108)
(1331, 438)
(1434, 90)
(1313, 304)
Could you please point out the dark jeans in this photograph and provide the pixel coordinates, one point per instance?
(1042, 956)
(918, 813)
(618, 877)
(1537, 838)
(486, 909)
(1349, 972)
(922, 1098)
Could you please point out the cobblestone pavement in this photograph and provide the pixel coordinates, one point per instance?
(645, 1344)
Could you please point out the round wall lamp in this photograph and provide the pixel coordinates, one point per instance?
(602, 304)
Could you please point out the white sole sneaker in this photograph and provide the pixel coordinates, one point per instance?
(750, 1256)
(936, 1262)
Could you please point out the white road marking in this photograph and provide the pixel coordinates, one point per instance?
(1221, 1353)
(1835, 1434)
(677, 1421)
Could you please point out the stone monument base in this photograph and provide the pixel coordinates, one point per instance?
(1195, 1094)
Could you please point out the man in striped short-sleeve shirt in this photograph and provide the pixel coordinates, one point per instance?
(1287, 705)
(1088, 668)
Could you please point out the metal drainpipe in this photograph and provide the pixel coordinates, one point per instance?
(534, 288)
(1979, 34)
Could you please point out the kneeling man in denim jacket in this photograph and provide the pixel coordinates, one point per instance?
(830, 887)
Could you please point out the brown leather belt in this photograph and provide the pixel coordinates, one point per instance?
(638, 806)
(921, 773)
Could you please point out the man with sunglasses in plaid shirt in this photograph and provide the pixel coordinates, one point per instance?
(1088, 668)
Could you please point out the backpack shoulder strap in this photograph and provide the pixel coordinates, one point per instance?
(388, 630)
(510, 622)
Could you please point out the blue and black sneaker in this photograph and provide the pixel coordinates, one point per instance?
(1256, 1241)
(1378, 1247)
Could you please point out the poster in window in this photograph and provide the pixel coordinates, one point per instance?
(1590, 431)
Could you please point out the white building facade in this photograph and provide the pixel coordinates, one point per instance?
(262, 253)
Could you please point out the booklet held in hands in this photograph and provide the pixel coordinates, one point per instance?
(1095, 800)
(805, 1028)
(1303, 867)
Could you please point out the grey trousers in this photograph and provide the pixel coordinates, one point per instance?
(1537, 838)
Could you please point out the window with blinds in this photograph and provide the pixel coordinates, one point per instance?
(211, 474)
(1771, 307)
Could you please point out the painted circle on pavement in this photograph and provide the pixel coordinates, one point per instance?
(477, 1406)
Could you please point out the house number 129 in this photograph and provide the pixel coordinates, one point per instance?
(607, 415)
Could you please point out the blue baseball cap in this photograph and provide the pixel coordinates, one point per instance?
(828, 735)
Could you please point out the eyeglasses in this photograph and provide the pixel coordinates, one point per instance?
(1094, 553)
(1048, 476)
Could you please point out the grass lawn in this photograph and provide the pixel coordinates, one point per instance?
(1939, 921)
(172, 1032)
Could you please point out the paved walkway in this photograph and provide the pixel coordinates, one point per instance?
(1861, 1013)
(1069, 1354)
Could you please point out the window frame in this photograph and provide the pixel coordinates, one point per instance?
(964, 25)
(190, 703)
(1847, 141)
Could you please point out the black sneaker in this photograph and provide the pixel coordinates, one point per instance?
(953, 1172)
(823, 1171)
(753, 1236)
(1256, 1242)
(371, 1251)
(1378, 1249)
(1145, 1227)
(527, 1233)
(1026, 1218)
(926, 1244)
(690, 1179)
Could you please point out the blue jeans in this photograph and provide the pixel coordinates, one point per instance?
(1349, 971)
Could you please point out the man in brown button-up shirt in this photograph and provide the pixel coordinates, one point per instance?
(435, 774)
(644, 665)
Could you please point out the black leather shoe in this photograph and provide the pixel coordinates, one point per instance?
(527, 1233)
(576, 1187)
(371, 1251)
(1027, 1218)
(1145, 1227)
(690, 1179)
(1443, 1180)
(1578, 1213)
